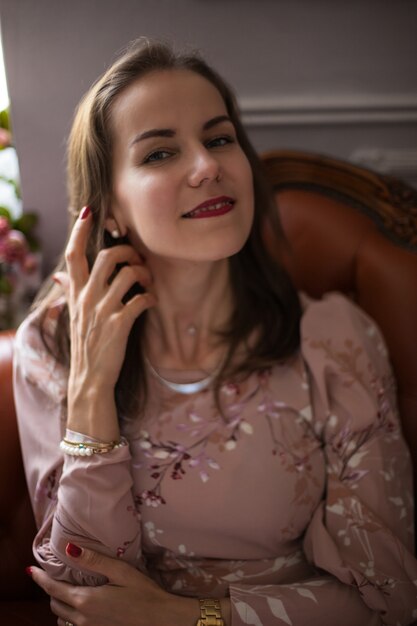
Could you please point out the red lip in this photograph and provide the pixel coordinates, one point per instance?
(207, 208)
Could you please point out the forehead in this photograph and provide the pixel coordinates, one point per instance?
(166, 98)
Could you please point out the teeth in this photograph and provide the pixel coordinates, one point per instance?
(212, 207)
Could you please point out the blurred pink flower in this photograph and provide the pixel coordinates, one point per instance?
(13, 247)
(4, 226)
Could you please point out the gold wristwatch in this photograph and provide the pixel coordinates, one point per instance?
(211, 613)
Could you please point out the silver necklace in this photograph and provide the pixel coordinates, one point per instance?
(185, 388)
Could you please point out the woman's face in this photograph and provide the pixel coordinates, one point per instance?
(182, 185)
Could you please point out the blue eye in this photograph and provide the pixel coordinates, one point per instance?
(218, 142)
(158, 155)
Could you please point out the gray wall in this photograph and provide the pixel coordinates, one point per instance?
(324, 75)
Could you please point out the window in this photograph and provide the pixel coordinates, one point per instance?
(4, 96)
(9, 167)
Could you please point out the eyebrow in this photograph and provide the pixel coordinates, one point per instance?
(170, 132)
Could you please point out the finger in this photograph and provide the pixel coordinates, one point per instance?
(123, 282)
(54, 588)
(65, 621)
(132, 309)
(64, 612)
(118, 572)
(75, 252)
(107, 259)
(140, 303)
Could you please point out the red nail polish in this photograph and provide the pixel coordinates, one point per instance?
(85, 212)
(28, 571)
(73, 550)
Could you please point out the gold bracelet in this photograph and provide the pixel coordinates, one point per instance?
(87, 448)
(210, 613)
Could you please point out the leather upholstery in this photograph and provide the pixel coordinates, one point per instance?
(349, 230)
(22, 604)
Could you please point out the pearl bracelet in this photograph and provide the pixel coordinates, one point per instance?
(77, 448)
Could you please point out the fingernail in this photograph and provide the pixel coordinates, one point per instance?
(56, 279)
(28, 571)
(85, 213)
(73, 550)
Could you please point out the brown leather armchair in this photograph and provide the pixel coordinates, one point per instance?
(21, 603)
(355, 231)
(349, 230)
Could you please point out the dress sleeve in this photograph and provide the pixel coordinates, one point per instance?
(360, 538)
(84, 500)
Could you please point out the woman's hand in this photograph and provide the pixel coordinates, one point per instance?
(129, 598)
(99, 325)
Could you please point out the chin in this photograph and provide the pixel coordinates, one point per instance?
(230, 248)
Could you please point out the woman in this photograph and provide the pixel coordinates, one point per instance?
(180, 410)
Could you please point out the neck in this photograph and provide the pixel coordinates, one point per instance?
(194, 302)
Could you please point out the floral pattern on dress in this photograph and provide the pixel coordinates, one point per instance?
(168, 459)
(171, 459)
(298, 504)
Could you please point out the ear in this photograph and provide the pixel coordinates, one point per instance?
(112, 226)
(114, 217)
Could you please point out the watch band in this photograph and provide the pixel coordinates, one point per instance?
(210, 613)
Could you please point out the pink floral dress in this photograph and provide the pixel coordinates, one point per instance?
(296, 502)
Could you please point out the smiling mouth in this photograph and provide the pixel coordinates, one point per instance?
(211, 208)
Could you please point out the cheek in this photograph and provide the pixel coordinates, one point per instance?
(140, 199)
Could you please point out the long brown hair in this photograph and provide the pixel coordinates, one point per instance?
(264, 297)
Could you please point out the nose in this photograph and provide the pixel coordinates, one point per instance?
(204, 167)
